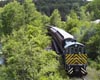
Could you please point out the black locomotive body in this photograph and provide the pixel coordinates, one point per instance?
(73, 52)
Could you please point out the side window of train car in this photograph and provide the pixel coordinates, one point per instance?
(68, 50)
(83, 50)
(79, 49)
(71, 50)
(75, 50)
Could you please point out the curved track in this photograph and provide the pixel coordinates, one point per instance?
(79, 78)
(84, 78)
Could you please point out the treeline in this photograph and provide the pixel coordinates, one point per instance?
(64, 6)
(48, 6)
(24, 40)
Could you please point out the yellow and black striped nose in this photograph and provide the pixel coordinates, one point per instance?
(76, 58)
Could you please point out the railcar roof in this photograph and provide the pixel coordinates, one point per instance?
(72, 43)
(63, 33)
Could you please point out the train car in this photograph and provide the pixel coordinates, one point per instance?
(73, 52)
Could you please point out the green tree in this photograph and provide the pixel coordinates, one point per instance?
(26, 58)
(75, 25)
(12, 17)
(94, 7)
(55, 18)
(94, 44)
(30, 11)
(64, 6)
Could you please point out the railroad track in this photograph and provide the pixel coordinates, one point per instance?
(79, 78)
(84, 78)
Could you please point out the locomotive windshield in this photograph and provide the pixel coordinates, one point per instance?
(74, 47)
(76, 50)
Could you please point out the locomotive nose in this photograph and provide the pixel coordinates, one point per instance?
(77, 69)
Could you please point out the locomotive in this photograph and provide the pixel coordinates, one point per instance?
(73, 52)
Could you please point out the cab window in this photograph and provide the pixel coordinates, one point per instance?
(81, 49)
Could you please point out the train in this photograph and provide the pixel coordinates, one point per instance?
(73, 53)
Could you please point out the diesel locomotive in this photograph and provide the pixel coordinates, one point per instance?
(73, 52)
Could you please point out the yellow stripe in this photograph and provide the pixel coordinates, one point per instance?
(69, 58)
(69, 61)
(69, 55)
(76, 61)
(80, 62)
(82, 58)
(76, 58)
(84, 55)
(72, 60)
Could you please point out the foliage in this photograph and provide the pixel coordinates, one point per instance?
(24, 39)
(26, 58)
(94, 7)
(94, 44)
(55, 18)
(24, 46)
(12, 17)
(75, 26)
(64, 6)
(30, 11)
